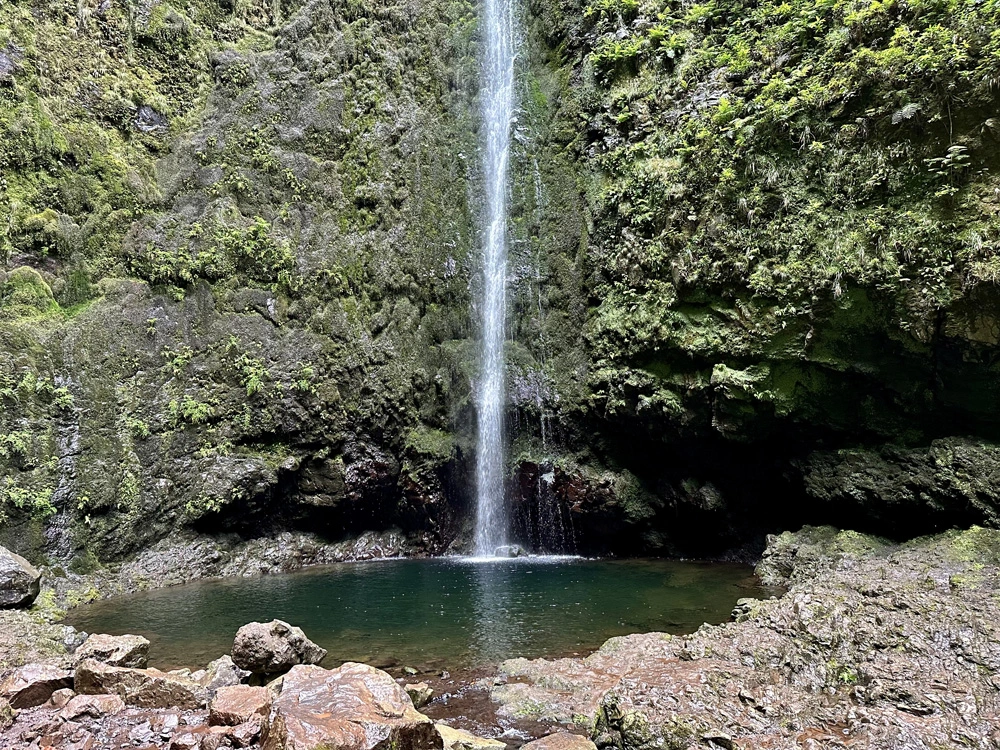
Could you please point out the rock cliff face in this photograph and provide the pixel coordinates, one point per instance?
(249, 309)
(753, 277)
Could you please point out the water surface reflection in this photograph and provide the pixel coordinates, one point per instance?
(442, 613)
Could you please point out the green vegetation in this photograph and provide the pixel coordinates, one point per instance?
(789, 151)
(96, 93)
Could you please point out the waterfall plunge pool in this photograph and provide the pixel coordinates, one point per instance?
(432, 614)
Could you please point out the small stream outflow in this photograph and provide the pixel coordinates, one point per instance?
(492, 519)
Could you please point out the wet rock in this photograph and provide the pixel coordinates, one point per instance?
(116, 650)
(509, 550)
(33, 684)
(148, 120)
(93, 706)
(270, 648)
(238, 704)
(221, 673)
(19, 580)
(145, 688)
(459, 739)
(420, 693)
(561, 741)
(9, 59)
(353, 707)
(792, 557)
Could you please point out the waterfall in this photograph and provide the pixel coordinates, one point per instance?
(498, 115)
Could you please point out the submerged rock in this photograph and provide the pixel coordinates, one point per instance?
(19, 580)
(353, 707)
(145, 688)
(116, 650)
(270, 648)
(420, 693)
(509, 550)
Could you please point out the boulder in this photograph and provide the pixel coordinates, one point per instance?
(353, 707)
(561, 741)
(459, 739)
(271, 648)
(33, 684)
(93, 706)
(19, 580)
(116, 650)
(238, 704)
(145, 688)
(222, 673)
(420, 693)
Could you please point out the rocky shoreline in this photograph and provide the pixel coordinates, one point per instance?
(36, 635)
(874, 645)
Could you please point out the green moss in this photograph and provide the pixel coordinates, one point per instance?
(24, 294)
(432, 444)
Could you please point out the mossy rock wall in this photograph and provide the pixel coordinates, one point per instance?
(790, 311)
(254, 320)
(753, 270)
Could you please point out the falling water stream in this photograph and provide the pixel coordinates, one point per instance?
(492, 522)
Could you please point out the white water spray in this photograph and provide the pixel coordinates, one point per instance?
(492, 523)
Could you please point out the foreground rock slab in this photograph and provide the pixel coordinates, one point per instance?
(874, 646)
(271, 648)
(33, 684)
(94, 706)
(239, 704)
(459, 739)
(560, 741)
(116, 650)
(146, 688)
(353, 707)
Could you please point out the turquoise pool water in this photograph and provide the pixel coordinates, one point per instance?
(432, 614)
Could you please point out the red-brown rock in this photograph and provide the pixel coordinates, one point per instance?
(271, 648)
(353, 707)
(33, 684)
(561, 741)
(94, 706)
(116, 650)
(60, 698)
(145, 688)
(237, 704)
